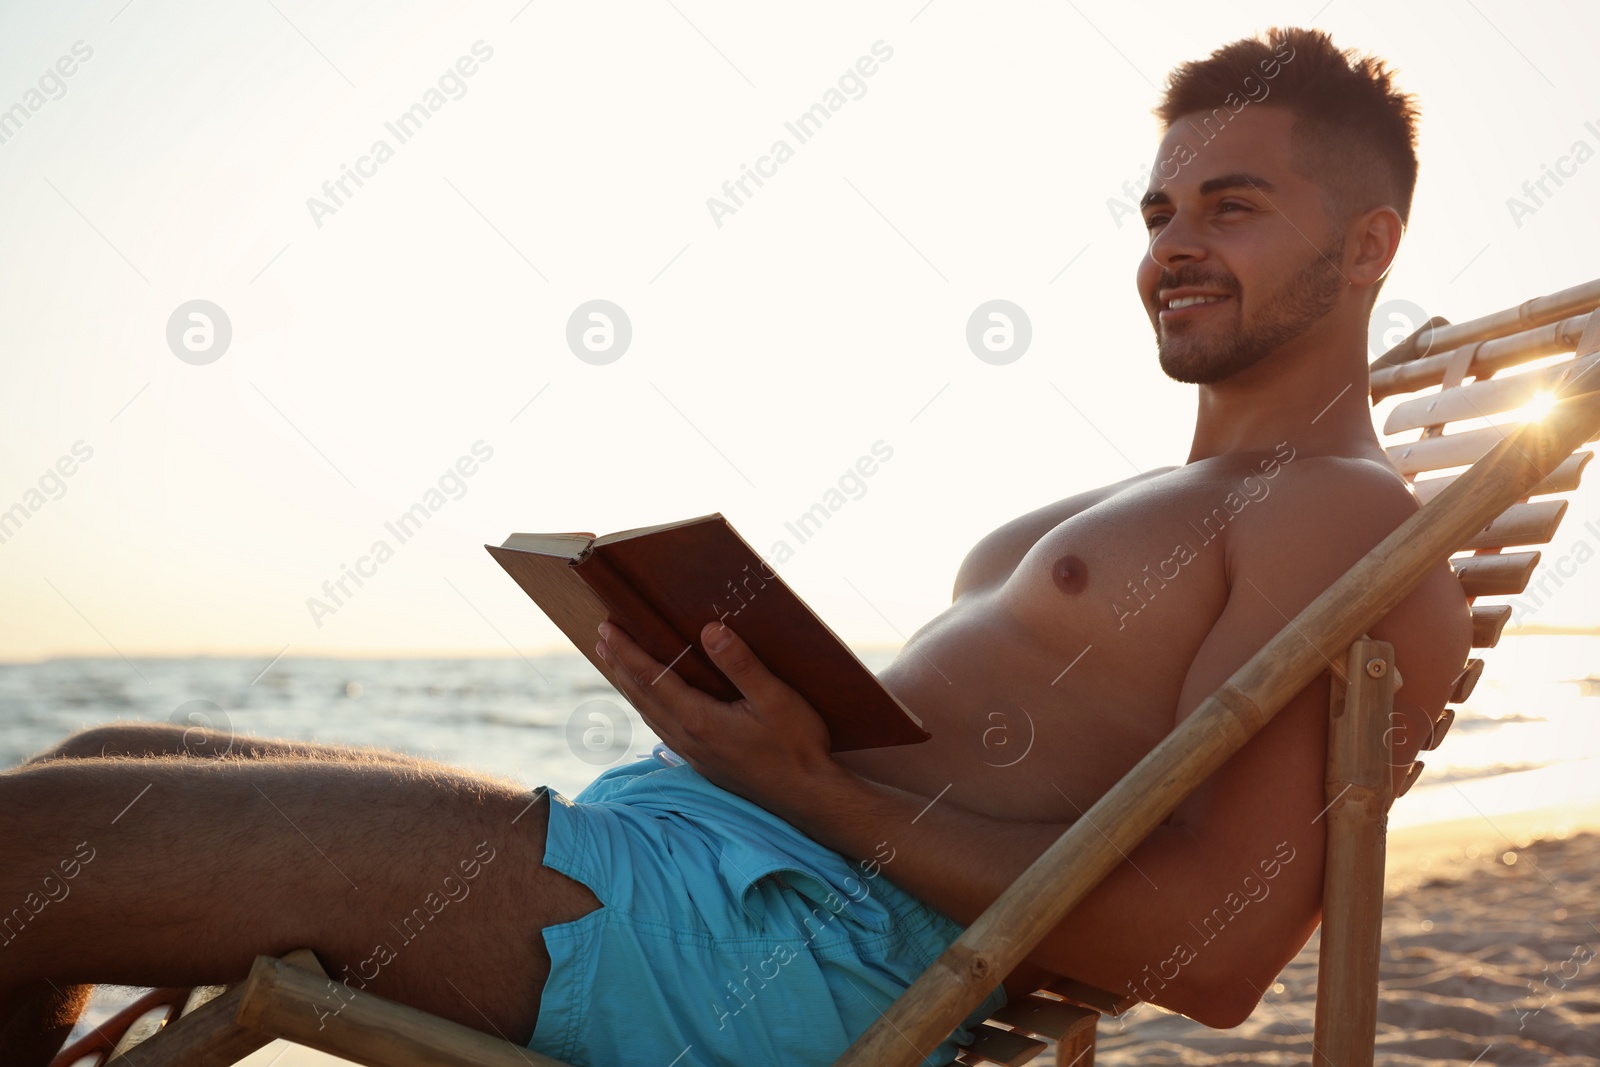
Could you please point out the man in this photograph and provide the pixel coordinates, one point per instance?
(765, 902)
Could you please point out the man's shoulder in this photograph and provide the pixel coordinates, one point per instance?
(1324, 514)
(1327, 501)
(1367, 471)
(1314, 521)
(1331, 511)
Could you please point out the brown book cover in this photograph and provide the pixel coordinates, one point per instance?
(662, 584)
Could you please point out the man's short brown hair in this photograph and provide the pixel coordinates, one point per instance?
(1354, 134)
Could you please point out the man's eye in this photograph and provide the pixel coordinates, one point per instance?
(1154, 220)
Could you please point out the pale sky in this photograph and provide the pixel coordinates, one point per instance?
(377, 338)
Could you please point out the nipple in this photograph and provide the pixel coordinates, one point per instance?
(1071, 574)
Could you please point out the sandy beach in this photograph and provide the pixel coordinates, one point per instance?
(1489, 939)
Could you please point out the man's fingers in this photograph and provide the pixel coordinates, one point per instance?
(645, 700)
(643, 680)
(734, 658)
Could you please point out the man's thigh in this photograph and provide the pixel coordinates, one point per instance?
(132, 737)
(415, 883)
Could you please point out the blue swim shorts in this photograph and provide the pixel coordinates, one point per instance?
(726, 936)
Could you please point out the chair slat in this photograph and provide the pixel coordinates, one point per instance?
(990, 1044)
(1481, 398)
(1492, 356)
(201, 995)
(1564, 479)
(1503, 573)
(1440, 335)
(1452, 450)
(1410, 779)
(141, 1030)
(1533, 523)
(1046, 1018)
(1440, 728)
(1466, 681)
(1487, 622)
(1101, 1000)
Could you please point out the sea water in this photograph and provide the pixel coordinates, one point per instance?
(554, 720)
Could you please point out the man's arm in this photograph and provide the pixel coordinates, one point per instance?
(1316, 525)
(1205, 912)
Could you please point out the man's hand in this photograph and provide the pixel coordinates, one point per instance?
(770, 747)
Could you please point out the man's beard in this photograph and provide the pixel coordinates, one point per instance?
(1308, 296)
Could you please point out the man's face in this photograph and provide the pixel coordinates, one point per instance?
(1228, 218)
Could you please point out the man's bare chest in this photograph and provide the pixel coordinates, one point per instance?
(1142, 576)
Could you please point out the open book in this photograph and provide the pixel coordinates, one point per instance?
(663, 584)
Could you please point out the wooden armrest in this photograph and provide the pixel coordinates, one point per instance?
(279, 1000)
(207, 1035)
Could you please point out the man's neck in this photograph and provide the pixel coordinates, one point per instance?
(1314, 400)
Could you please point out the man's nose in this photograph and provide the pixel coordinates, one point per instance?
(1178, 240)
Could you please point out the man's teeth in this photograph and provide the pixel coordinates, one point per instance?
(1185, 301)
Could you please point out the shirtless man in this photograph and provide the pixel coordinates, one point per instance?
(1082, 632)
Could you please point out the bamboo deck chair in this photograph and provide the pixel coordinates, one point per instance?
(1469, 517)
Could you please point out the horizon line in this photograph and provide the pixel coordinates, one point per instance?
(7, 659)
(391, 654)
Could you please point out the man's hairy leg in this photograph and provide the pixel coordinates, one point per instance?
(40, 1019)
(275, 846)
(36, 1019)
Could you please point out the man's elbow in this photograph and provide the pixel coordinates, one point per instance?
(1228, 993)
(1228, 1006)
(1220, 1006)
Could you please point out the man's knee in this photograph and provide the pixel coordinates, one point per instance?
(131, 739)
(88, 742)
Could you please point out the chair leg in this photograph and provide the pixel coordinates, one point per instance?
(1357, 788)
(1076, 1050)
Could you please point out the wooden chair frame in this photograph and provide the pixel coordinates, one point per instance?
(1483, 509)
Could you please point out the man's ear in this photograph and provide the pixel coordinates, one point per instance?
(1375, 237)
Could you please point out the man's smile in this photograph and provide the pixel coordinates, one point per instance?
(1187, 306)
